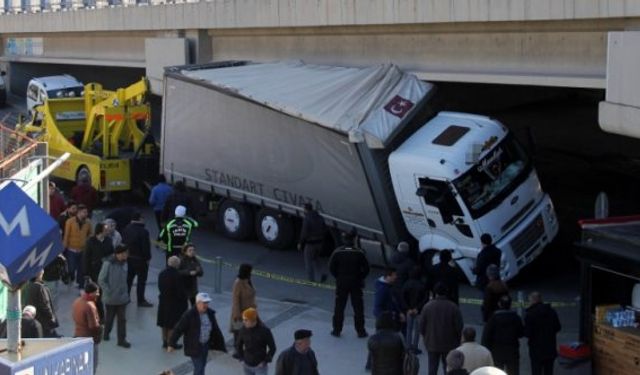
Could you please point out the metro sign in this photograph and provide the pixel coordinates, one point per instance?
(29, 237)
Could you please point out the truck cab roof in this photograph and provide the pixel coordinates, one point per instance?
(57, 82)
(446, 144)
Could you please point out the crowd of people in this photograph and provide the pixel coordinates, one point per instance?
(416, 298)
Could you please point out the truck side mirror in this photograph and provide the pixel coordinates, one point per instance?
(3, 73)
(422, 191)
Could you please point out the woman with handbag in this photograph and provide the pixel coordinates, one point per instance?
(243, 296)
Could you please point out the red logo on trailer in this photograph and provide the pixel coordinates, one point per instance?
(398, 106)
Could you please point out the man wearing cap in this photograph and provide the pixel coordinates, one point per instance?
(177, 232)
(201, 333)
(349, 265)
(255, 346)
(115, 293)
(86, 319)
(299, 359)
(31, 328)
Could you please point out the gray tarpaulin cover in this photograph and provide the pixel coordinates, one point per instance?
(365, 103)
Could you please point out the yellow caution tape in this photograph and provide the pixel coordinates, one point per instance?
(304, 282)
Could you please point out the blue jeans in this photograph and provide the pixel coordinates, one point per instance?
(257, 370)
(74, 262)
(413, 331)
(200, 361)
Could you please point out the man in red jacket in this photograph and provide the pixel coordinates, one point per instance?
(84, 193)
(85, 317)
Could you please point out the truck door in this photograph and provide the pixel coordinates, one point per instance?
(442, 210)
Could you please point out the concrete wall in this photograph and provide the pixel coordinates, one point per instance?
(574, 59)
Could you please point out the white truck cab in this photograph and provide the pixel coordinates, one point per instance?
(463, 175)
(54, 87)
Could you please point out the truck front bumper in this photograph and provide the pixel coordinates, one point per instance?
(525, 242)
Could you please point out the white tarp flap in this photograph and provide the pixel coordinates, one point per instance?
(368, 104)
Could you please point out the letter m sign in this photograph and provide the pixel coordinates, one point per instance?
(29, 237)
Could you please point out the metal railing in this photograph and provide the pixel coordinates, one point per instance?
(16, 151)
(12, 7)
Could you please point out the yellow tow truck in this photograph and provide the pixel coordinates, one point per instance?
(106, 132)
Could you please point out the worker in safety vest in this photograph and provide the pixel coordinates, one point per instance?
(177, 231)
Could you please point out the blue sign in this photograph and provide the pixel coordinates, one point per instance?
(29, 237)
(53, 357)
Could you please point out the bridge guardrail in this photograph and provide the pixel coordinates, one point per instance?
(13, 7)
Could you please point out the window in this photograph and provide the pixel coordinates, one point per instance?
(32, 92)
(438, 194)
(494, 177)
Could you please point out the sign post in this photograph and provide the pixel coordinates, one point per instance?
(29, 240)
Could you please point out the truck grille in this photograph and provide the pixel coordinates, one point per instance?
(525, 240)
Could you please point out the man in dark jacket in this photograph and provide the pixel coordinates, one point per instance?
(385, 299)
(489, 254)
(172, 302)
(402, 262)
(311, 239)
(445, 273)
(122, 216)
(349, 265)
(541, 324)
(501, 336)
(98, 248)
(255, 346)
(299, 359)
(415, 296)
(37, 294)
(441, 324)
(136, 236)
(201, 333)
(386, 347)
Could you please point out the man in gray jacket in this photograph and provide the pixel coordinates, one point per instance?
(115, 293)
(441, 323)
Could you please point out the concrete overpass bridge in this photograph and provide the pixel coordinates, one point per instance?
(562, 43)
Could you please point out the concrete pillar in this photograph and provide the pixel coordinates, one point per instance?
(200, 49)
(620, 112)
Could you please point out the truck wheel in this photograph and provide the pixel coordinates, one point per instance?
(274, 229)
(236, 219)
(83, 173)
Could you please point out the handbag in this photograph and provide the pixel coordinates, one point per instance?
(411, 363)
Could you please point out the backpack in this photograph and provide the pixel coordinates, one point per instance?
(411, 364)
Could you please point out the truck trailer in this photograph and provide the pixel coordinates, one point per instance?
(364, 147)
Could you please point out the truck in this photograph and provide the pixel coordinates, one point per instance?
(364, 147)
(106, 133)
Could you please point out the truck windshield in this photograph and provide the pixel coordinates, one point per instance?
(69, 92)
(494, 177)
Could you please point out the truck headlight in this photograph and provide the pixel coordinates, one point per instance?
(551, 215)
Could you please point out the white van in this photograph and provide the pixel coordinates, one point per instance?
(42, 88)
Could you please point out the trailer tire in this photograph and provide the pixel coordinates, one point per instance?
(274, 229)
(236, 220)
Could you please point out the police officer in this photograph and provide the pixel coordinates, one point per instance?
(177, 231)
(349, 265)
